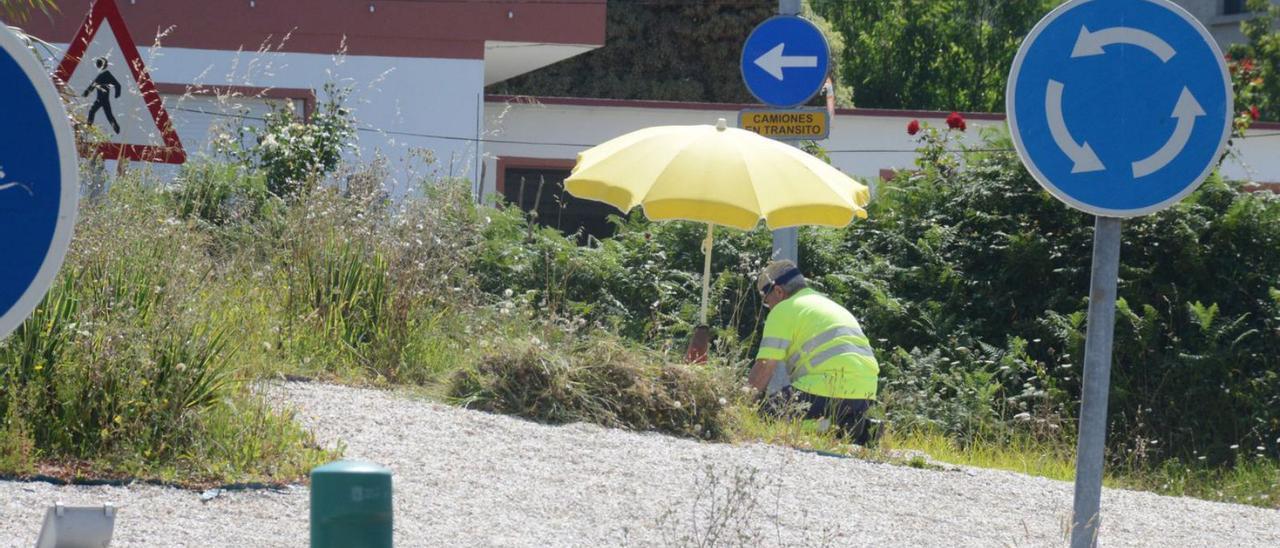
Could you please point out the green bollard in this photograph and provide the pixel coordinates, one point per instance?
(350, 505)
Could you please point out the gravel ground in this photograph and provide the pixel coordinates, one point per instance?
(468, 478)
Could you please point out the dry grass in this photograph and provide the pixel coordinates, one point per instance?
(597, 380)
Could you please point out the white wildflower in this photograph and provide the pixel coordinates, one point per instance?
(507, 293)
(1023, 416)
(724, 401)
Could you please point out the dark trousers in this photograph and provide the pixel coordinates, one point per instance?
(849, 416)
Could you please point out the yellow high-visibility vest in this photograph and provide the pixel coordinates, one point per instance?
(822, 346)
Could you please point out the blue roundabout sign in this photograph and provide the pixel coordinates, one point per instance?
(39, 189)
(1119, 108)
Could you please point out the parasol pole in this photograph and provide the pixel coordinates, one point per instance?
(706, 272)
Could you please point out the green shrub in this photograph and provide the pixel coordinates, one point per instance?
(643, 283)
(122, 366)
(221, 194)
(969, 253)
(972, 282)
(294, 155)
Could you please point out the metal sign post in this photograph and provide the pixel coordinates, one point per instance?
(784, 63)
(1092, 442)
(1118, 108)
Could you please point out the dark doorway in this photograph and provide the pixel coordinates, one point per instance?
(541, 190)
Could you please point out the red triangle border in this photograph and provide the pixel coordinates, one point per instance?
(106, 10)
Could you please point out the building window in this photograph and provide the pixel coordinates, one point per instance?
(1233, 7)
(537, 185)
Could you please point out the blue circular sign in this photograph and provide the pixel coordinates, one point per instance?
(785, 60)
(39, 188)
(1119, 107)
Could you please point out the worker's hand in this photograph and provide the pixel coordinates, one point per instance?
(760, 374)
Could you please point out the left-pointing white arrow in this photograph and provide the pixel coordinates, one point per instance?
(1091, 43)
(773, 61)
(1186, 111)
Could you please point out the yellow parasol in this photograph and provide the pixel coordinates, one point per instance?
(719, 176)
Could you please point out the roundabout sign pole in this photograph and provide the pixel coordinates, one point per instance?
(1118, 108)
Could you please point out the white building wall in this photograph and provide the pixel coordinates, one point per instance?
(860, 145)
(403, 105)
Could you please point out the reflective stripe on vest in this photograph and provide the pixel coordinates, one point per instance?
(774, 342)
(821, 357)
(836, 351)
(828, 336)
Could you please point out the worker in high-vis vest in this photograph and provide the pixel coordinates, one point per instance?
(814, 361)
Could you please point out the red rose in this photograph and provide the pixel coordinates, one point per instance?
(913, 127)
(1247, 65)
(1253, 111)
(955, 121)
(963, 125)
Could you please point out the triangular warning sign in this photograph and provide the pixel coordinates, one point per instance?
(114, 91)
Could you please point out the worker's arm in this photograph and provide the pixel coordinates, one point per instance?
(760, 374)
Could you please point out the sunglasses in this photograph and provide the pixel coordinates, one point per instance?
(764, 292)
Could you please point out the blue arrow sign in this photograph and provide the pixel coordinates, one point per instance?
(39, 188)
(1119, 107)
(785, 60)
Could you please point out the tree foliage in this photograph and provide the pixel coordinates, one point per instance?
(931, 54)
(908, 54)
(675, 51)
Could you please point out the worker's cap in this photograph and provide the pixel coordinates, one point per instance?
(776, 273)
